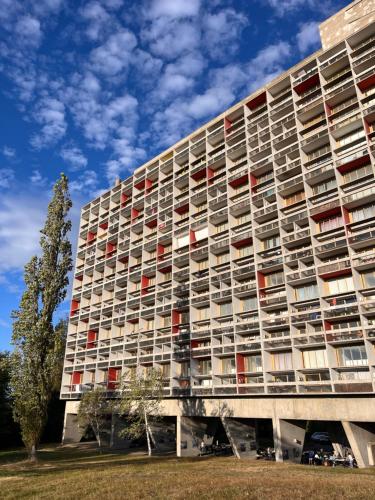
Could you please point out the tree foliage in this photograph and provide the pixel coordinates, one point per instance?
(93, 410)
(38, 344)
(140, 402)
(9, 431)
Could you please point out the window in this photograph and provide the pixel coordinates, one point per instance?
(203, 313)
(166, 320)
(294, 198)
(137, 286)
(184, 369)
(241, 189)
(202, 265)
(150, 323)
(346, 325)
(201, 208)
(324, 186)
(362, 213)
(167, 276)
(204, 367)
(245, 251)
(353, 136)
(353, 175)
(315, 358)
(222, 258)
(225, 308)
(228, 365)
(340, 285)
(166, 370)
(331, 223)
(368, 279)
(274, 279)
(249, 303)
(253, 363)
(152, 254)
(221, 227)
(151, 281)
(134, 327)
(265, 177)
(242, 219)
(352, 356)
(306, 292)
(272, 242)
(282, 361)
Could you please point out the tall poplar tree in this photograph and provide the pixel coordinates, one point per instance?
(38, 345)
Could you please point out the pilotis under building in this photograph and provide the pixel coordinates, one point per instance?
(241, 263)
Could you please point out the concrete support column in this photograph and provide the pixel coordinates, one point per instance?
(361, 437)
(190, 432)
(241, 434)
(288, 436)
(72, 433)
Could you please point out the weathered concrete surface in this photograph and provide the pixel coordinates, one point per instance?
(288, 437)
(361, 437)
(347, 21)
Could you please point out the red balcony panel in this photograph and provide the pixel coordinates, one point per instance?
(153, 223)
(110, 249)
(200, 174)
(91, 237)
(134, 213)
(76, 378)
(243, 243)
(176, 317)
(113, 378)
(336, 274)
(227, 124)
(326, 213)
(165, 270)
(91, 339)
(240, 368)
(140, 185)
(240, 181)
(160, 250)
(210, 174)
(307, 84)
(328, 324)
(145, 280)
(367, 83)
(192, 236)
(148, 185)
(353, 164)
(253, 182)
(194, 343)
(79, 277)
(261, 280)
(124, 260)
(257, 101)
(74, 307)
(183, 209)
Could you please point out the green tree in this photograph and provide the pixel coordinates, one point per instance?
(93, 410)
(140, 403)
(9, 431)
(38, 344)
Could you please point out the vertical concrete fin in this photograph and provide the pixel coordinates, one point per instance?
(361, 439)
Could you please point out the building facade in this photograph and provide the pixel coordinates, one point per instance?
(241, 263)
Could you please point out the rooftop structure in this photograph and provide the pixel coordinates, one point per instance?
(240, 262)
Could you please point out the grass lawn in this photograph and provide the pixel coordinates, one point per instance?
(81, 472)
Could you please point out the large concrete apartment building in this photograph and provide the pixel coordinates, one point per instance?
(241, 263)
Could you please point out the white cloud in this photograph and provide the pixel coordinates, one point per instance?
(50, 113)
(97, 19)
(174, 8)
(308, 37)
(28, 31)
(9, 152)
(21, 218)
(37, 179)
(114, 56)
(6, 177)
(74, 157)
(87, 182)
(284, 7)
(222, 31)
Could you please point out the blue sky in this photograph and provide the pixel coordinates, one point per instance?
(95, 88)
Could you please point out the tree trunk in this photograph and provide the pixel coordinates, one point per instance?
(33, 456)
(147, 435)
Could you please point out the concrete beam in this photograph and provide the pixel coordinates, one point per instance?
(361, 437)
(288, 437)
